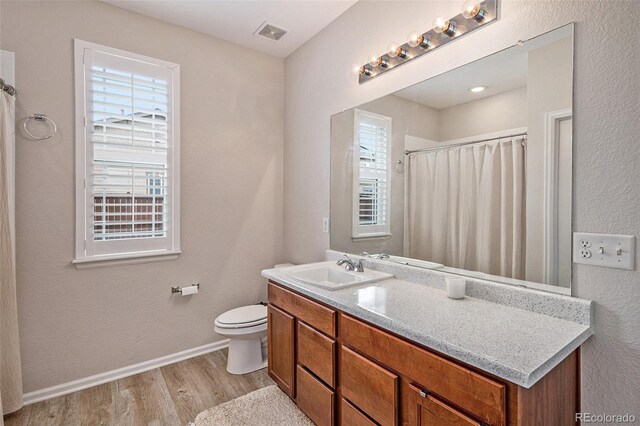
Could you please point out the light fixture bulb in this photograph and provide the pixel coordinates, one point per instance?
(402, 53)
(392, 50)
(373, 61)
(440, 25)
(382, 62)
(444, 26)
(414, 39)
(478, 89)
(365, 70)
(473, 10)
(419, 40)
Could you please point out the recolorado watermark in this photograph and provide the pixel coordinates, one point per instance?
(605, 418)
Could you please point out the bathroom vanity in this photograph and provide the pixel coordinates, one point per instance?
(467, 174)
(399, 351)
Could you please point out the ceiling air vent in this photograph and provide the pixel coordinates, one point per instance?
(270, 32)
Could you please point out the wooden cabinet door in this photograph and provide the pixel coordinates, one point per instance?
(428, 410)
(281, 341)
(467, 389)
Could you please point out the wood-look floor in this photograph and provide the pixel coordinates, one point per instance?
(170, 395)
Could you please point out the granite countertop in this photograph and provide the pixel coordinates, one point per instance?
(506, 339)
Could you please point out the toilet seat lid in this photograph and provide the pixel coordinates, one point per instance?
(245, 316)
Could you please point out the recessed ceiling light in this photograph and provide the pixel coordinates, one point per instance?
(477, 89)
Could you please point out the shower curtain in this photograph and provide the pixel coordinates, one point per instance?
(10, 365)
(466, 207)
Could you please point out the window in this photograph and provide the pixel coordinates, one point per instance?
(371, 199)
(127, 154)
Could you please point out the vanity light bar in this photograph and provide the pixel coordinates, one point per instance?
(475, 14)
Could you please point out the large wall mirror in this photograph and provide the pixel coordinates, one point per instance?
(469, 172)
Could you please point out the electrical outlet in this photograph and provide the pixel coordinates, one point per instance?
(607, 250)
(585, 243)
(325, 225)
(584, 253)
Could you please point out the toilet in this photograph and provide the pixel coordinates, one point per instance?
(245, 327)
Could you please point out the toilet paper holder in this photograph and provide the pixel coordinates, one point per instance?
(178, 289)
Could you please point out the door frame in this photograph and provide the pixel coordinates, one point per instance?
(552, 121)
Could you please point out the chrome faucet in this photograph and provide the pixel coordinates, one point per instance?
(380, 256)
(351, 264)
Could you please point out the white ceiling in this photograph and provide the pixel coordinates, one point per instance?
(236, 21)
(500, 72)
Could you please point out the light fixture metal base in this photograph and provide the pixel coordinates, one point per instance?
(436, 40)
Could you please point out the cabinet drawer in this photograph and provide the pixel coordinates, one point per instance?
(351, 416)
(316, 352)
(475, 393)
(314, 314)
(370, 387)
(430, 411)
(315, 399)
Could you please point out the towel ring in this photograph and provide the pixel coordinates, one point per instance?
(40, 117)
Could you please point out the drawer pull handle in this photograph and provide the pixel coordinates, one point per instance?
(419, 390)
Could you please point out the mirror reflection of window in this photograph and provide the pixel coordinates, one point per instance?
(371, 175)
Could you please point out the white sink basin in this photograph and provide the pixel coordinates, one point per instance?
(331, 276)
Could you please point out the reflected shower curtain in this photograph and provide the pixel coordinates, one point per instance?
(466, 207)
(10, 365)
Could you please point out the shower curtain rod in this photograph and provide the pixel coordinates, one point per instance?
(435, 148)
(7, 88)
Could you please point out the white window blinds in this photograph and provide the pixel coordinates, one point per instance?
(129, 145)
(371, 201)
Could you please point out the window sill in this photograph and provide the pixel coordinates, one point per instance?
(125, 259)
(382, 235)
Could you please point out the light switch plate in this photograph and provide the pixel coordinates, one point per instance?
(607, 250)
(325, 225)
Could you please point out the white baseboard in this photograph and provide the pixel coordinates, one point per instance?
(109, 376)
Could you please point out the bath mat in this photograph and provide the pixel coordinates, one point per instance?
(268, 406)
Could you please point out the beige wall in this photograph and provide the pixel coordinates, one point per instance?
(504, 111)
(408, 118)
(606, 197)
(77, 323)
